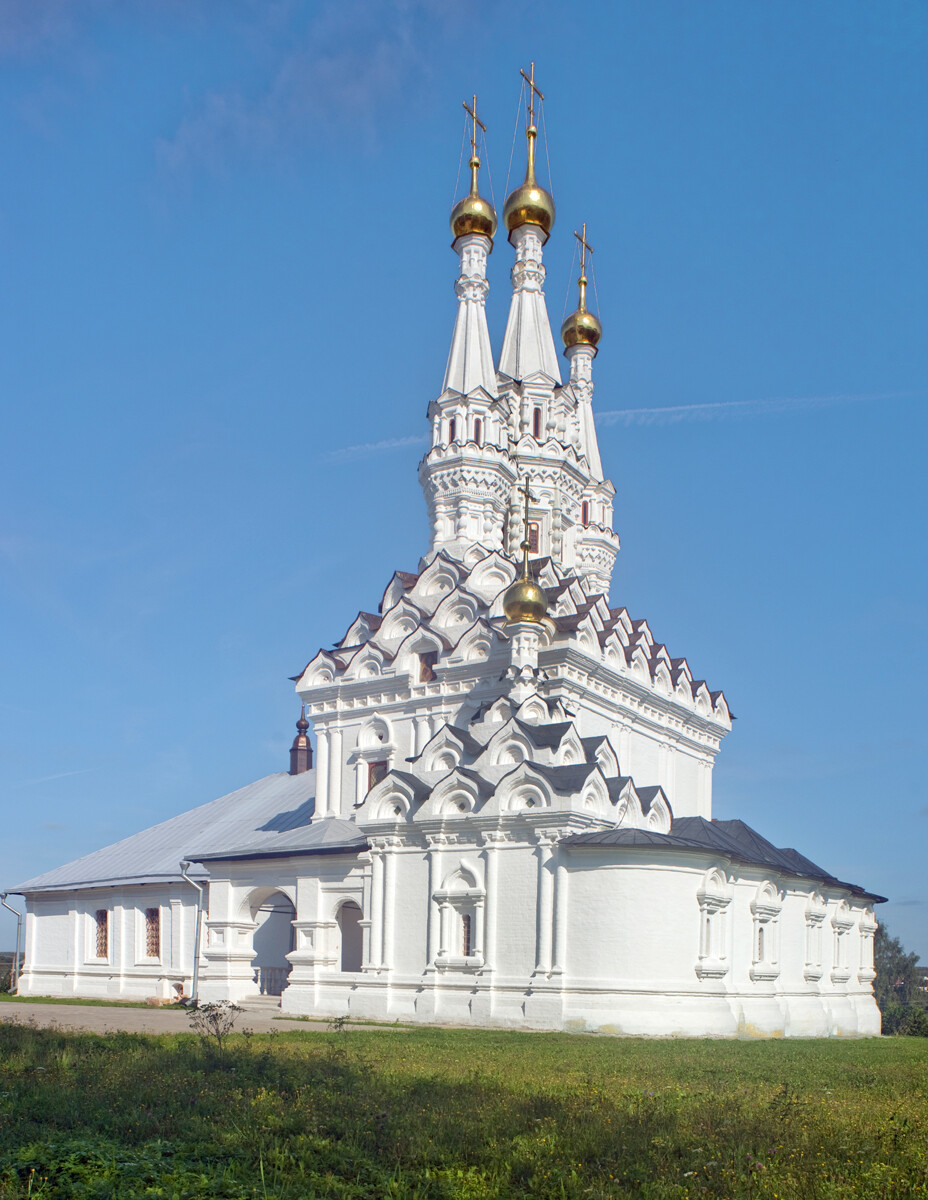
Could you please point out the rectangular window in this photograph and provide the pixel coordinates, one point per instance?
(102, 918)
(375, 772)
(152, 932)
(478, 432)
(585, 513)
(465, 935)
(536, 423)
(427, 662)
(452, 429)
(533, 537)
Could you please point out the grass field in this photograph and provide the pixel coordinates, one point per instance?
(459, 1115)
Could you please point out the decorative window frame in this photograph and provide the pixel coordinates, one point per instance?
(92, 942)
(454, 903)
(816, 912)
(868, 927)
(765, 951)
(714, 897)
(842, 922)
(142, 957)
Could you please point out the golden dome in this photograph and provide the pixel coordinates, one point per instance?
(525, 601)
(581, 329)
(473, 214)
(529, 204)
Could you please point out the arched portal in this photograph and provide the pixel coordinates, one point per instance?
(350, 934)
(273, 941)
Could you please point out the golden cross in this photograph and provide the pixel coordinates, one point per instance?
(532, 93)
(581, 238)
(472, 112)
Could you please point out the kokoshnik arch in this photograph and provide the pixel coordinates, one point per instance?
(509, 819)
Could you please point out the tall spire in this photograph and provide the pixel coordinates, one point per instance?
(301, 752)
(473, 223)
(528, 347)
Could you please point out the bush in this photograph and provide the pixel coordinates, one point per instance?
(907, 1020)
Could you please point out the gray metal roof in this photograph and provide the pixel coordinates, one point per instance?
(276, 807)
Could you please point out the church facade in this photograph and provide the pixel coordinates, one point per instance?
(509, 817)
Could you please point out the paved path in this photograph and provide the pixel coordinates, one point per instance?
(110, 1018)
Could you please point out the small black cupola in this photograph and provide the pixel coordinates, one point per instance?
(301, 752)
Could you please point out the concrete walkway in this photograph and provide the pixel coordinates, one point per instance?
(111, 1018)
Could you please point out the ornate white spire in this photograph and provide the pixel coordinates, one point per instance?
(473, 223)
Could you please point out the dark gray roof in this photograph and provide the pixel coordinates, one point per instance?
(469, 743)
(565, 780)
(546, 737)
(647, 796)
(731, 839)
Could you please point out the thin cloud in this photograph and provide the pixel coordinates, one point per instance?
(726, 409)
(348, 63)
(363, 449)
(49, 778)
(668, 415)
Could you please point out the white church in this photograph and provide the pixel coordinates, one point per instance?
(509, 820)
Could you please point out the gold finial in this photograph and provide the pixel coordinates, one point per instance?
(581, 327)
(530, 204)
(524, 599)
(473, 214)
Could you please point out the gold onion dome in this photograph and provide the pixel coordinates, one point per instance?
(525, 600)
(581, 329)
(529, 204)
(473, 214)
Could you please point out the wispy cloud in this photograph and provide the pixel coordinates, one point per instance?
(667, 415)
(49, 778)
(339, 64)
(727, 409)
(364, 449)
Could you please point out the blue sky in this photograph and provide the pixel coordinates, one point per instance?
(225, 266)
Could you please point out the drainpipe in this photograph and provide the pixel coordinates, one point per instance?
(195, 987)
(19, 925)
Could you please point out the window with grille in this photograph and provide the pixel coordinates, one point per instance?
(466, 934)
(375, 772)
(536, 423)
(427, 663)
(533, 537)
(153, 932)
(103, 928)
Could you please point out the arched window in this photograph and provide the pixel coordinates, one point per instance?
(536, 423)
(760, 943)
(585, 512)
(349, 926)
(533, 538)
(452, 429)
(427, 662)
(465, 934)
(478, 431)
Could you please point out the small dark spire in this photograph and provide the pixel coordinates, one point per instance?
(301, 752)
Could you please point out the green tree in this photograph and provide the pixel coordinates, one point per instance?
(897, 978)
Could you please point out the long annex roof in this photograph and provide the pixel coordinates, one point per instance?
(270, 815)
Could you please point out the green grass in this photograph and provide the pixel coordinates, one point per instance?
(6, 998)
(459, 1115)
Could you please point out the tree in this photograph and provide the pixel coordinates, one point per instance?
(898, 981)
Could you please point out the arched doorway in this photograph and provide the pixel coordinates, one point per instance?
(351, 936)
(272, 941)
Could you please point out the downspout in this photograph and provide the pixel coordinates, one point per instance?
(19, 926)
(195, 993)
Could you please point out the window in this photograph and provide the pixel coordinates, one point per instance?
(452, 429)
(478, 431)
(533, 538)
(760, 943)
(375, 772)
(427, 663)
(465, 934)
(102, 918)
(585, 512)
(536, 423)
(152, 932)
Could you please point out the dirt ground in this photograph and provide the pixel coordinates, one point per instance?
(110, 1018)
